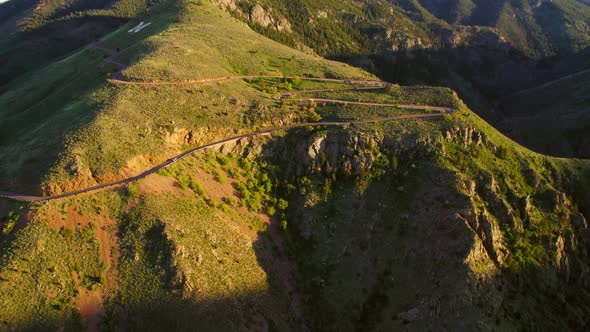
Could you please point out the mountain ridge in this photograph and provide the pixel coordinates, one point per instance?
(416, 224)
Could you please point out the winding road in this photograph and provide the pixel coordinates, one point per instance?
(368, 85)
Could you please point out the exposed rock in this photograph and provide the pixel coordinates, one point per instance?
(258, 15)
(282, 24)
(316, 147)
(467, 136)
(483, 223)
(396, 40)
(230, 4)
(322, 14)
(488, 232)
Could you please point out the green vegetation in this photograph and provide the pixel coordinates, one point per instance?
(414, 224)
(37, 268)
(182, 264)
(412, 95)
(72, 117)
(348, 28)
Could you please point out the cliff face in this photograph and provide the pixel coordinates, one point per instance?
(414, 238)
(256, 14)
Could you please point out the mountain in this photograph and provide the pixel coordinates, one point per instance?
(227, 181)
(485, 50)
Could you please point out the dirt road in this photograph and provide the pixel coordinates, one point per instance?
(366, 85)
(106, 186)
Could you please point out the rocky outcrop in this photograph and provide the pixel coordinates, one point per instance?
(397, 41)
(467, 136)
(260, 16)
(257, 14)
(488, 231)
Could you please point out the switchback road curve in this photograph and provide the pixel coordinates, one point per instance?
(364, 85)
(106, 186)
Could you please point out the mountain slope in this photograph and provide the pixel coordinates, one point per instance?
(413, 223)
(530, 111)
(37, 32)
(485, 50)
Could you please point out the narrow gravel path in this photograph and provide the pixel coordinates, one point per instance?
(106, 186)
(368, 85)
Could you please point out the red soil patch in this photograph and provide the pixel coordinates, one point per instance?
(157, 184)
(91, 303)
(213, 188)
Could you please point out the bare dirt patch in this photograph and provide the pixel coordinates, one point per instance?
(139, 164)
(157, 184)
(90, 305)
(213, 188)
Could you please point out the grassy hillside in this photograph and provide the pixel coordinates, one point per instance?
(412, 224)
(485, 50)
(37, 32)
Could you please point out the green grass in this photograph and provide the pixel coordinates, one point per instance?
(372, 222)
(37, 285)
(137, 117)
(188, 259)
(415, 95)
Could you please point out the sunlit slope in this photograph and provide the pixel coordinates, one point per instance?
(412, 224)
(70, 98)
(38, 110)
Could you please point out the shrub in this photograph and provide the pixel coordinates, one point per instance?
(271, 210)
(223, 160)
(196, 187)
(183, 181)
(220, 178)
(282, 204)
(132, 190)
(230, 201)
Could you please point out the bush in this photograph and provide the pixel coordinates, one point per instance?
(282, 204)
(183, 181)
(271, 210)
(230, 201)
(223, 160)
(132, 190)
(196, 187)
(220, 178)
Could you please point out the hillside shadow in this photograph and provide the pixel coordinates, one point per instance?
(171, 314)
(379, 259)
(32, 50)
(393, 255)
(403, 253)
(152, 292)
(46, 109)
(483, 75)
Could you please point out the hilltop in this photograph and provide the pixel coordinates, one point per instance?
(415, 222)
